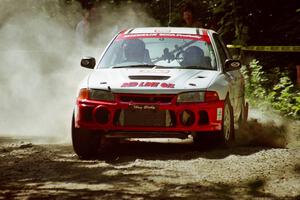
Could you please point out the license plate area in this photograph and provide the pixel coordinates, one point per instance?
(143, 108)
(143, 115)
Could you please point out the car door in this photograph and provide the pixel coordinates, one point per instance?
(233, 77)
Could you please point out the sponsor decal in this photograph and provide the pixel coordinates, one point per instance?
(164, 35)
(143, 107)
(219, 114)
(148, 84)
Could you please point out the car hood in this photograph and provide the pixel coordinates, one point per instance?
(140, 80)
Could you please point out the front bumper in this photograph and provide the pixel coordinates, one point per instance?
(148, 113)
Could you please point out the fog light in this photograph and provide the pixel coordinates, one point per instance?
(101, 115)
(187, 118)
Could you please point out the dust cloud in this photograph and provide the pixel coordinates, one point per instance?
(40, 71)
(267, 128)
(40, 59)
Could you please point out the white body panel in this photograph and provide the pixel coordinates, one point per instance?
(184, 80)
(224, 83)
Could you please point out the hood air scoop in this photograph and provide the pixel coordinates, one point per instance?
(149, 77)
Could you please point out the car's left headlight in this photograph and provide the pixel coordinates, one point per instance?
(101, 95)
(189, 97)
(95, 94)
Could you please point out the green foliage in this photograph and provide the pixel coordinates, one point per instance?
(255, 78)
(262, 90)
(285, 98)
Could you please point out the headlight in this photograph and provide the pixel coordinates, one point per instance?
(190, 97)
(196, 97)
(93, 94)
(101, 95)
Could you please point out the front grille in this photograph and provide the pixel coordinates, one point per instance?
(145, 118)
(146, 99)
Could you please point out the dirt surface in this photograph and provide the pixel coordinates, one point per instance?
(148, 170)
(264, 164)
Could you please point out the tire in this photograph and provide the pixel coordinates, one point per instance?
(85, 142)
(244, 114)
(227, 133)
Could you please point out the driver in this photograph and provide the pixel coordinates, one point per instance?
(193, 56)
(134, 50)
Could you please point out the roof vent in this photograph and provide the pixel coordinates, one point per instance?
(149, 77)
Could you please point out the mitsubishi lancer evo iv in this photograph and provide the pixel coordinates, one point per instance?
(159, 83)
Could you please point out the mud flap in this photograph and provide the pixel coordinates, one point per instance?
(246, 110)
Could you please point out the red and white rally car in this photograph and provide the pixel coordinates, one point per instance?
(159, 83)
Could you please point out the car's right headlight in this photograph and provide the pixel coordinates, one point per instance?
(197, 97)
(95, 94)
(189, 97)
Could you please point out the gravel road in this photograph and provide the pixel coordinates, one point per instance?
(257, 168)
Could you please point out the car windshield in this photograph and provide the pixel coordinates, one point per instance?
(140, 51)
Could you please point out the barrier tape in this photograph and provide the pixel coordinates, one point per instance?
(266, 48)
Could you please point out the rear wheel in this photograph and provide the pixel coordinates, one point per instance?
(85, 142)
(227, 132)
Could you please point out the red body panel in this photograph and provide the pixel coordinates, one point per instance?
(91, 105)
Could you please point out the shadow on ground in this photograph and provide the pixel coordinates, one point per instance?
(128, 151)
(55, 172)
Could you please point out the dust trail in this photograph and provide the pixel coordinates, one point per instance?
(40, 70)
(40, 59)
(269, 129)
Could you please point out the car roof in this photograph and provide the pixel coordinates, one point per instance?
(170, 30)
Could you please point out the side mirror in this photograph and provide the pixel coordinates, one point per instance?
(231, 65)
(88, 62)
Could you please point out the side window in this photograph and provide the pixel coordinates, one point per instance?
(221, 48)
(228, 55)
(112, 57)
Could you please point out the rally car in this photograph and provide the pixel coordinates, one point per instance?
(159, 82)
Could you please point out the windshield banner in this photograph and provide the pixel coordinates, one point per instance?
(164, 35)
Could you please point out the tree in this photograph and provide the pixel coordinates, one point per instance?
(255, 22)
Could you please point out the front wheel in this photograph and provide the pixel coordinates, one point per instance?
(227, 132)
(85, 142)
(244, 114)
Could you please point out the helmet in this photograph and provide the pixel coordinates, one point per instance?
(134, 50)
(193, 56)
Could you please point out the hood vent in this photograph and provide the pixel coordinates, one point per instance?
(149, 77)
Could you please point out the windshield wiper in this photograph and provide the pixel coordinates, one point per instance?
(161, 67)
(194, 67)
(135, 66)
